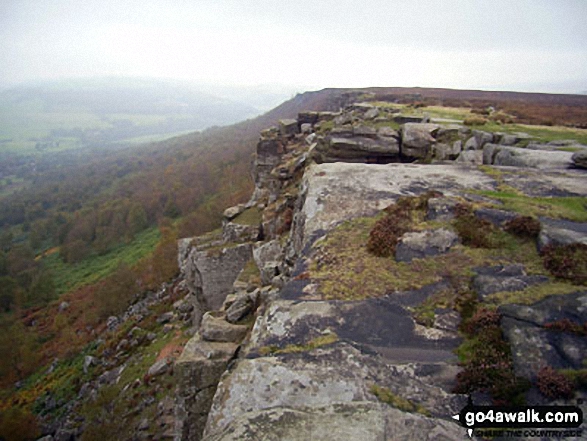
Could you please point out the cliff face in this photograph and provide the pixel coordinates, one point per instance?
(305, 332)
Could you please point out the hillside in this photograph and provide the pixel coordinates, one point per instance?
(56, 116)
(104, 229)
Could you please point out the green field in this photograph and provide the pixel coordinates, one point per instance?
(68, 277)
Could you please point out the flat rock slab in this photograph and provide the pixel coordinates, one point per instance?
(365, 421)
(341, 191)
(509, 278)
(335, 375)
(380, 326)
(533, 182)
(533, 345)
(561, 232)
(419, 245)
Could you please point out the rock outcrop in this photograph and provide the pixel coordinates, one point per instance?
(292, 347)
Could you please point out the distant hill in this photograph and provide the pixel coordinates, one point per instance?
(65, 114)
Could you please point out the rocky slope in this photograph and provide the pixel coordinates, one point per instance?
(309, 328)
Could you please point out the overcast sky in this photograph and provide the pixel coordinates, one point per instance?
(538, 45)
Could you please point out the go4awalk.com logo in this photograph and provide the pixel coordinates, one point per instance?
(521, 421)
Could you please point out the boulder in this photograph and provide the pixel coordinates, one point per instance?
(482, 138)
(471, 144)
(235, 232)
(424, 243)
(288, 127)
(209, 275)
(441, 209)
(306, 128)
(561, 232)
(240, 308)
(418, 139)
(365, 421)
(580, 159)
(308, 118)
(408, 119)
(357, 149)
(518, 157)
(159, 367)
(503, 278)
(442, 151)
(534, 346)
(232, 212)
(89, 361)
(371, 113)
(217, 329)
(473, 157)
(198, 369)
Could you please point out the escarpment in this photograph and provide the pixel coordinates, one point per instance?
(350, 298)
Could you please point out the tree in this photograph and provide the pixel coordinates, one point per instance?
(136, 221)
(8, 288)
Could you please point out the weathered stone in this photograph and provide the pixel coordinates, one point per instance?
(166, 317)
(504, 278)
(159, 367)
(365, 421)
(388, 132)
(518, 157)
(443, 151)
(234, 232)
(561, 232)
(471, 144)
(473, 157)
(310, 381)
(364, 131)
(357, 149)
(89, 361)
(418, 139)
(408, 119)
(218, 329)
(336, 192)
(112, 323)
(533, 346)
(425, 243)
(232, 212)
(288, 127)
(271, 251)
(308, 118)
(371, 113)
(210, 275)
(482, 138)
(198, 371)
(345, 118)
(241, 307)
(580, 159)
(507, 139)
(306, 128)
(495, 216)
(441, 209)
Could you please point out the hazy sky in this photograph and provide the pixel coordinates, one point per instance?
(306, 44)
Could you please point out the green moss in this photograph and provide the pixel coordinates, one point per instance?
(386, 396)
(315, 343)
(572, 208)
(250, 273)
(251, 217)
(532, 294)
(344, 269)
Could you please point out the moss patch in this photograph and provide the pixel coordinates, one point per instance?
(323, 340)
(572, 208)
(388, 397)
(344, 269)
(250, 217)
(532, 294)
